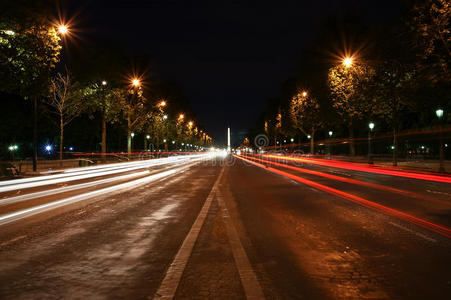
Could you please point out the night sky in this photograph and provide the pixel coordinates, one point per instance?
(229, 56)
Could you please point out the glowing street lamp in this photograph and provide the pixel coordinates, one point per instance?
(181, 116)
(136, 82)
(190, 124)
(104, 82)
(62, 29)
(347, 62)
(292, 140)
(165, 117)
(439, 113)
(304, 94)
(13, 148)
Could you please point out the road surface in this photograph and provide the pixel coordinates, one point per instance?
(209, 227)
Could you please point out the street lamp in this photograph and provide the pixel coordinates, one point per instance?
(439, 113)
(136, 82)
(330, 133)
(62, 29)
(292, 140)
(104, 82)
(371, 126)
(181, 117)
(347, 61)
(304, 94)
(165, 117)
(162, 103)
(13, 148)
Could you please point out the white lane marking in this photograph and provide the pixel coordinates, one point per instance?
(249, 280)
(69, 188)
(11, 217)
(173, 275)
(414, 232)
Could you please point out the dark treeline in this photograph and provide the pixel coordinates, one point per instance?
(392, 73)
(100, 98)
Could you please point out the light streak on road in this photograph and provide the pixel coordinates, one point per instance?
(352, 181)
(442, 230)
(69, 188)
(88, 170)
(368, 169)
(24, 213)
(11, 185)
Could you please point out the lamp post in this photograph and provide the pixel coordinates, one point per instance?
(12, 149)
(330, 146)
(370, 158)
(132, 135)
(439, 113)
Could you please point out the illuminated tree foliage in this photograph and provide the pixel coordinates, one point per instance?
(305, 115)
(347, 86)
(29, 48)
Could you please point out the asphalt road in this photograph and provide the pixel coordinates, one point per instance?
(213, 228)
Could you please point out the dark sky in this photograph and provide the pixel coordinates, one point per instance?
(229, 56)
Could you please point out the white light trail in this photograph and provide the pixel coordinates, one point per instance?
(24, 213)
(18, 184)
(69, 188)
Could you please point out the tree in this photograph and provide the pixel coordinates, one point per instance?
(100, 69)
(104, 98)
(431, 23)
(29, 50)
(390, 88)
(134, 111)
(347, 86)
(305, 115)
(64, 101)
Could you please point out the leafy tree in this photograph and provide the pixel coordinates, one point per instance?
(135, 112)
(64, 101)
(347, 86)
(29, 50)
(104, 98)
(431, 23)
(390, 87)
(305, 115)
(100, 70)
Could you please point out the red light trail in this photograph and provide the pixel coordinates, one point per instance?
(367, 169)
(442, 230)
(354, 181)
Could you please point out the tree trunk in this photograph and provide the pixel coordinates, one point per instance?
(395, 146)
(35, 134)
(312, 143)
(61, 137)
(129, 134)
(104, 135)
(351, 140)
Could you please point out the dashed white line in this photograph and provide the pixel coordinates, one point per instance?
(173, 275)
(414, 232)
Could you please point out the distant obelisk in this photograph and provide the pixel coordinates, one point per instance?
(228, 139)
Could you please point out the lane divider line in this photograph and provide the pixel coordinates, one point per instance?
(249, 280)
(442, 230)
(170, 283)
